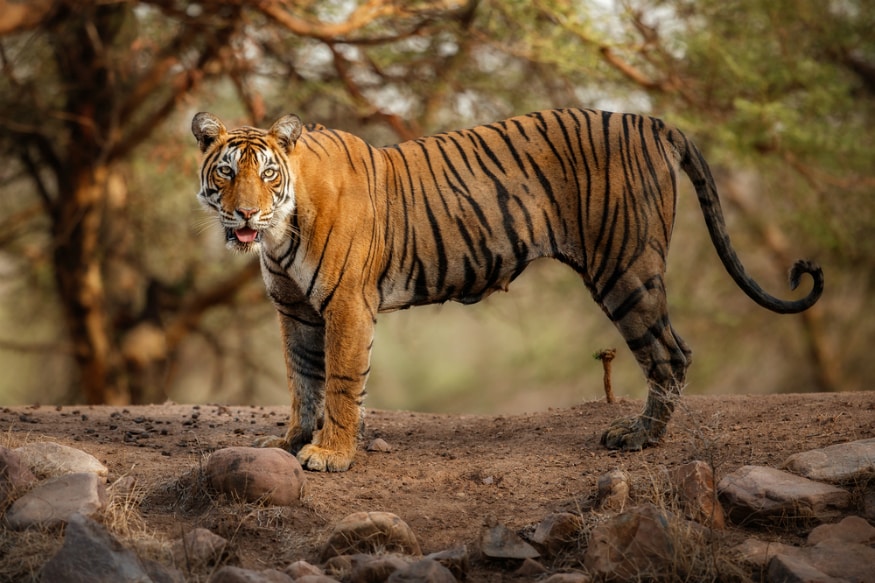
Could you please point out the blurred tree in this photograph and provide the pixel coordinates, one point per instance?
(781, 90)
(86, 83)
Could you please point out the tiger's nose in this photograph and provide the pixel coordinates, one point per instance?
(246, 213)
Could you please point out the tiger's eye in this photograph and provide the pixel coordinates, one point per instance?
(268, 174)
(225, 171)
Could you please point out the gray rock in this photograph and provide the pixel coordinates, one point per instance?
(761, 493)
(53, 502)
(48, 460)
(371, 532)
(91, 555)
(423, 571)
(843, 462)
(267, 475)
(499, 542)
(14, 475)
(632, 546)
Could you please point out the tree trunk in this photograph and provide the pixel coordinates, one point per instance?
(78, 263)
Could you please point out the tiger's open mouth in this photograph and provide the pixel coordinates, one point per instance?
(243, 235)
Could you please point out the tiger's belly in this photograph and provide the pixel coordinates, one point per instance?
(465, 283)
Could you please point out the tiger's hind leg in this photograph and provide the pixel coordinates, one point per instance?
(641, 316)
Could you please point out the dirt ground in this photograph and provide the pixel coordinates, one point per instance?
(444, 475)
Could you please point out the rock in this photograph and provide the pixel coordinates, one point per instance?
(14, 475)
(342, 566)
(843, 462)
(869, 505)
(842, 560)
(793, 569)
(364, 568)
(613, 490)
(499, 542)
(199, 548)
(54, 501)
(530, 569)
(91, 555)
(268, 475)
(123, 487)
(558, 532)
(379, 445)
(851, 529)
(49, 460)
(567, 578)
(694, 485)
(371, 532)
(828, 559)
(761, 493)
(299, 569)
(423, 571)
(757, 554)
(377, 569)
(836, 560)
(228, 574)
(456, 560)
(632, 546)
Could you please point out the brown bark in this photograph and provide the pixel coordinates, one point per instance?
(80, 283)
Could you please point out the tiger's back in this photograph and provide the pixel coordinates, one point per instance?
(462, 213)
(345, 230)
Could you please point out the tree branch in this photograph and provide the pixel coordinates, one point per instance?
(196, 305)
(361, 17)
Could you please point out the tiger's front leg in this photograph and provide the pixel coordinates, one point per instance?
(303, 334)
(348, 341)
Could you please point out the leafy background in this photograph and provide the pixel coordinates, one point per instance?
(116, 287)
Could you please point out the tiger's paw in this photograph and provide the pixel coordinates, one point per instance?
(629, 434)
(292, 443)
(270, 441)
(320, 459)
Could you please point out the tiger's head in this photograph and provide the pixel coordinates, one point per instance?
(245, 177)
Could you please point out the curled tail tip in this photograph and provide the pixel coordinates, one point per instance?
(813, 269)
(805, 266)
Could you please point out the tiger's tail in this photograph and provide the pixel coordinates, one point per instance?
(695, 166)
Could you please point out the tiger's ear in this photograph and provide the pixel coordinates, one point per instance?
(207, 128)
(287, 130)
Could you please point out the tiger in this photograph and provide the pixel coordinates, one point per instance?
(345, 230)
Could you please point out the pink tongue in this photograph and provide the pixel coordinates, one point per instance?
(246, 235)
